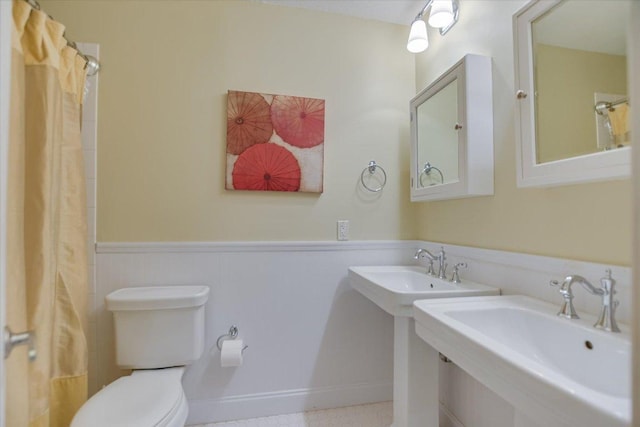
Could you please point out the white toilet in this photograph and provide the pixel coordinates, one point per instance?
(158, 330)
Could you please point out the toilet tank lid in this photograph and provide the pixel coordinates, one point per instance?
(157, 298)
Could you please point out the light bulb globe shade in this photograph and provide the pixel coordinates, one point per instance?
(441, 13)
(418, 41)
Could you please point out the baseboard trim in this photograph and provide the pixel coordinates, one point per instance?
(286, 402)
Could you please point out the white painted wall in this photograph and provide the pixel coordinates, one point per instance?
(313, 341)
(89, 151)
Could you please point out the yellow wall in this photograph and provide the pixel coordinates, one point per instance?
(565, 120)
(167, 66)
(589, 222)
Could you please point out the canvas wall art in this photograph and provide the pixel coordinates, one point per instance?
(274, 142)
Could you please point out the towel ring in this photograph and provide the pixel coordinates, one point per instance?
(372, 168)
(427, 171)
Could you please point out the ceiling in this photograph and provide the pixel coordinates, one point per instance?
(394, 11)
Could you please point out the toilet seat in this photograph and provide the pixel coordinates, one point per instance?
(148, 398)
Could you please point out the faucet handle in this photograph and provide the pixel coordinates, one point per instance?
(455, 277)
(430, 270)
(567, 309)
(607, 281)
(607, 318)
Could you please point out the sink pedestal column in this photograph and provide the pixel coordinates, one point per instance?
(415, 378)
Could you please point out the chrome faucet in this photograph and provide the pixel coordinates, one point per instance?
(442, 267)
(568, 310)
(606, 320)
(431, 257)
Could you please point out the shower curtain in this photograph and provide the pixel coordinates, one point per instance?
(47, 226)
(618, 117)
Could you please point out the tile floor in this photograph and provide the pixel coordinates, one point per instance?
(372, 415)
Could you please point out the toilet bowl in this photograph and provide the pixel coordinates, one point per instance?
(144, 398)
(158, 330)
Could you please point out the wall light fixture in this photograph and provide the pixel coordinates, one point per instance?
(443, 15)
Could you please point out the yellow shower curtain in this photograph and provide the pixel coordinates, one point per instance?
(47, 225)
(619, 119)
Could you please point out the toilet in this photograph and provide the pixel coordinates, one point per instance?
(158, 332)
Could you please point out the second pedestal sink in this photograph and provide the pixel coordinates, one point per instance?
(554, 371)
(415, 364)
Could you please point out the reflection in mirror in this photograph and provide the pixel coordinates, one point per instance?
(438, 137)
(579, 62)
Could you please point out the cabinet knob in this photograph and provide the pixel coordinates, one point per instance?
(521, 94)
(458, 126)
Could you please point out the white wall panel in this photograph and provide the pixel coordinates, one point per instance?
(313, 341)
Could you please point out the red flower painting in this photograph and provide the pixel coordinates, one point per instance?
(299, 121)
(274, 142)
(266, 167)
(248, 121)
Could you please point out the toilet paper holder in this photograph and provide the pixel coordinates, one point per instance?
(231, 335)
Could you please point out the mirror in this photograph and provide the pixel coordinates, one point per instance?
(572, 92)
(452, 134)
(437, 118)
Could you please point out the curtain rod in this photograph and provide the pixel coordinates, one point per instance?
(92, 64)
(604, 105)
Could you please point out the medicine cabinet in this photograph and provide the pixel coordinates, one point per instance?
(571, 92)
(452, 134)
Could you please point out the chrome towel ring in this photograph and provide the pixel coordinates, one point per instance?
(427, 171)
(371, 170)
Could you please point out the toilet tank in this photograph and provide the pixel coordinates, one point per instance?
(158, 326)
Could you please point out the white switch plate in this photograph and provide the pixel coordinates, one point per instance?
(343, 229)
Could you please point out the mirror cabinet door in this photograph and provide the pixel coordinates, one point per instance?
(438, 138)
(452, 134)
(571, 88)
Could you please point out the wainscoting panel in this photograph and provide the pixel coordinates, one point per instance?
(313, 341)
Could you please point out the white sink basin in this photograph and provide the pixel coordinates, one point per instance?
(395, 288)
(554, 370)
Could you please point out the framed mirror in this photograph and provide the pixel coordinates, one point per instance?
(452, 134)
(571, 89)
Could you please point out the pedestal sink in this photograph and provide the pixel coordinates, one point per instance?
(554, 371)
(415, 364)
